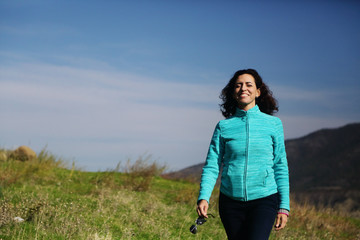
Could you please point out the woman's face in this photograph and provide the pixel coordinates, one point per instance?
(245, 91)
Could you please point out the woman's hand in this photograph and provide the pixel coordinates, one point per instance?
(281, 220)
(202, 208)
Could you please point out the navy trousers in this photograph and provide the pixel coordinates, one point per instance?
(250, 220)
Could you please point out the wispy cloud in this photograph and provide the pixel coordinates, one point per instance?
(100, 114)
(61, 87)
(335, 102)
(58, 103)
(298, 126)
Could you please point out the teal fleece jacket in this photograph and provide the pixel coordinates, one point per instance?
(250, 147)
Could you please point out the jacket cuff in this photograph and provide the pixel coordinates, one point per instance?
(200, 200)
(283, 211)
(203, 197)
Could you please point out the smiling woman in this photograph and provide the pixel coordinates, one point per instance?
(249, 147)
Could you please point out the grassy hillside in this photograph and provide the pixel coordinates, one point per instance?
(60, 203)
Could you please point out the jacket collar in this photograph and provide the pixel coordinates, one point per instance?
(240, 113)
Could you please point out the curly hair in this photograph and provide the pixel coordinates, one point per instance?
(266, 102)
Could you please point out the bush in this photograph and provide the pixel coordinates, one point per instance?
(139, 175)
(12, 172)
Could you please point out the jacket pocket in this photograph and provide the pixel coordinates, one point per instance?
(266, 176)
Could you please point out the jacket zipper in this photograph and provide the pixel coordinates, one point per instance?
(247, 154)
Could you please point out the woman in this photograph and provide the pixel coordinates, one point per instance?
(249, 146)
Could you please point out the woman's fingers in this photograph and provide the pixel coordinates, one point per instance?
(202, 208)
(281, 220)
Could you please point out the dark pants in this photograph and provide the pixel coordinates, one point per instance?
(250, 220)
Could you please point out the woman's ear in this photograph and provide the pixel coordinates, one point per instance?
(258, 93)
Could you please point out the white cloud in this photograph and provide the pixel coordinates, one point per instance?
(86, 109)
(102, 116)
(329, 97)
(298, 126)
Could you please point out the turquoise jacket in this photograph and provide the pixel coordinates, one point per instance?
(250, 147)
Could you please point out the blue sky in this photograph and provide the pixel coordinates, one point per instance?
(99, 82)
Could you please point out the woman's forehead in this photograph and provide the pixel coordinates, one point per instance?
(245, 78)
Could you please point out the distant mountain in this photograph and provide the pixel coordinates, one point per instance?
(329, 158)
(324, 166)
(192, 173)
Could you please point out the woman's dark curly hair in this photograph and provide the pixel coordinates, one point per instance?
(266, 102)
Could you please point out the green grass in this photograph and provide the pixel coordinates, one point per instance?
(61, 203)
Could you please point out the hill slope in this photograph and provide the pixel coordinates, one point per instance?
(57, 203)
(329, 158)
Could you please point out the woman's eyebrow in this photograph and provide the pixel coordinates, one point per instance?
(244, 82)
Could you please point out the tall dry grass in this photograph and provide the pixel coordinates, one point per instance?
(139, 175)
(13, 171)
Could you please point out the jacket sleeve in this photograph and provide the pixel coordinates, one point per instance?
(212, 165)
(281, 167)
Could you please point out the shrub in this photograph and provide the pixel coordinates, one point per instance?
(139, 175)
(39, 168)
